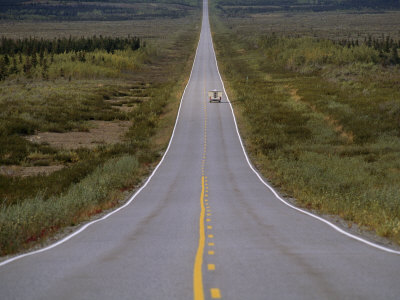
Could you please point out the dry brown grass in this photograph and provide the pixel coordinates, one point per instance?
(330, 120)
(18, 171)
(99, 133)
(332, 25)
(154, 30)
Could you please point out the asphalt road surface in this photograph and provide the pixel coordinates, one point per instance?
(205, 227)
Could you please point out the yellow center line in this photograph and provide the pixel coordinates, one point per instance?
(215, 294)
(198, 289)
(198, 292)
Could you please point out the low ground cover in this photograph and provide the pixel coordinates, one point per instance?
(91, 128)
(320, 118)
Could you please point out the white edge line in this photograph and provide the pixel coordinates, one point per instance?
(279, 197)
(130, 199)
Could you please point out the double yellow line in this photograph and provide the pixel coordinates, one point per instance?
(198, 291)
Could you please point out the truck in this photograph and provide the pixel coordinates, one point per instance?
(215, 95)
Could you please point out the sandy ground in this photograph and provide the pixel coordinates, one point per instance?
(101, 132)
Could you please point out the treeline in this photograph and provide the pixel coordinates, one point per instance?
(60, 11)
(307, 54)
(360, 3)
(70, 11)
(262, 6)
(29, 56)
(29, 46)
(338, 3)
(387, 47)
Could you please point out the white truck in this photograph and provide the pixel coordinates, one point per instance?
(215, 95)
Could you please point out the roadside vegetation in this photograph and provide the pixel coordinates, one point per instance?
(319, 112)
(84, 117)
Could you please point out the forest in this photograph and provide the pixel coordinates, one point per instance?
(386, 49)
(72, 44)
(332, 3)
(94, 10)
(244, 7)
(23, 55)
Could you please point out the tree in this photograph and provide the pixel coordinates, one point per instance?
(27, 66)
(6, 60)
(41, 57)
(3, 70)
(14, 68)
(45, 74)
(34, 60)
(394, 58)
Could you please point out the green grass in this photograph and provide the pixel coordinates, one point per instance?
(320, 121)
(37, 217)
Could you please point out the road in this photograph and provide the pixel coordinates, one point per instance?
(205, 227)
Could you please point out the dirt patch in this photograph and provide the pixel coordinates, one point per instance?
(124, 108)
(18, 171)
(126, 100)
(100, 133)
(348, 136)
(336, 126)
(294, 95)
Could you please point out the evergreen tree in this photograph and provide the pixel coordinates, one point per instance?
(45, 74)
(3, 70)
(6, 60)
(14, 68)
(34, 60)
(41, 57)
(27, 66)
(369, 42)
(394, 59)
(387, 45)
